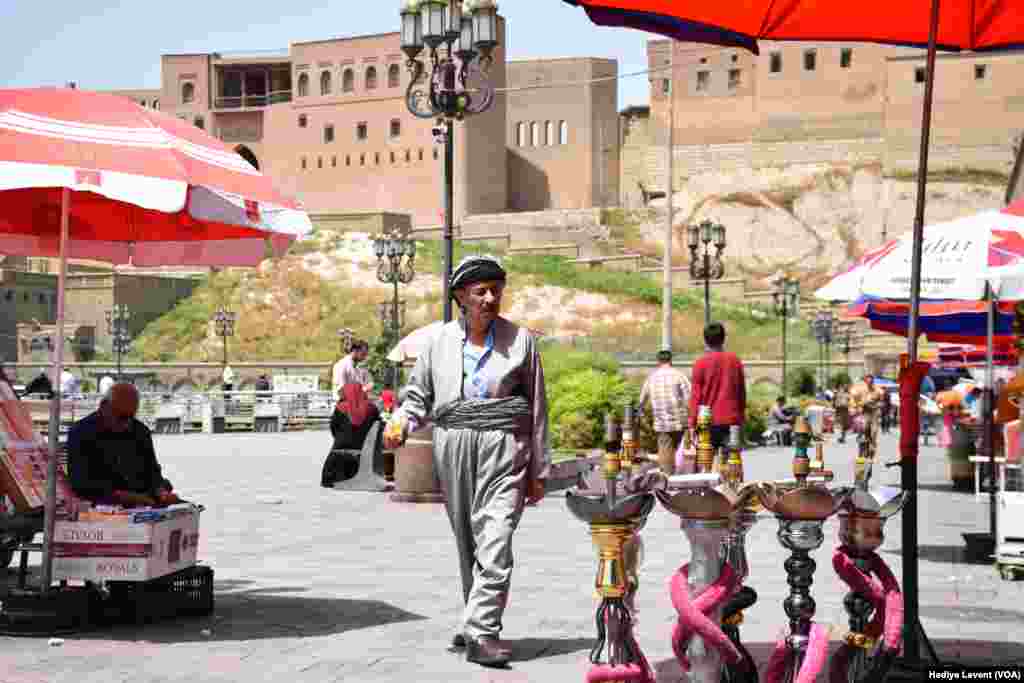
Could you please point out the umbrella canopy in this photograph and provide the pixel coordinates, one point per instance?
(976, 356)
(956, 255)
(963, 24)
(150, 189)
(86, 175)
(950, 322)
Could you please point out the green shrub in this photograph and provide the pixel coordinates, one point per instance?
(561, 361)
(801, 381)
(587, 394)
(841, 379)
(575, 431)
(756, 421)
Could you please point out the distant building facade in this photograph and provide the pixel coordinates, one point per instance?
(327, 120)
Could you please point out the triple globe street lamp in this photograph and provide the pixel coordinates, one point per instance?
(706, 268)
(395, 255)
(120, 335)
(224, 320)
(823, 327)
(460, 38)
(786, 298)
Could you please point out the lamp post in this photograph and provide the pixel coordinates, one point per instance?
(120, 336)
(395, 255)
(225, 321)
(846, 341)
(460, 38)
(706, 234)
(823, 327)
(787, 300)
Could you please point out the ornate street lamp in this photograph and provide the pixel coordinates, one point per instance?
(460, 38)
(225, 322)
(707, 234)
(846, 340)
(786, 298)
(387, 311)
(396, 255)
(823, 327)
(120, 336)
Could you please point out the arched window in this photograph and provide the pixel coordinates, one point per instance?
(248, 155)
(563, 133)
(199, 122)
(392, 157)
(348, 160)
(535, 134)
(549, 133)
(319, 162)
(394, 76)
(421, 154)
(371, 77)
(396, 128)
(303, 88)
(303, 120)
(362, 160)
(303, 163)
(435, 154)
(325, 82)
(334, 162)
(376, 158)
(348, 80)
(408, 156)
(156, 105)
(188, 93)
(520, 134)
(142, 103)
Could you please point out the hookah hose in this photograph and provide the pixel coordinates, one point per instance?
(636, 669)
(693, 616)
(884, 594)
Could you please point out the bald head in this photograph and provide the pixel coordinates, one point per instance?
(120, 405)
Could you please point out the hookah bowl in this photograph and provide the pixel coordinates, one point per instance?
(862, 531)
(613, 524)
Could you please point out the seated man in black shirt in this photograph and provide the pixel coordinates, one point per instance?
(111, 455)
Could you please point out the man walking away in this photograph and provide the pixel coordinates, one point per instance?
(668, 391)
(347, 370)
(718, 382)
(841, 404)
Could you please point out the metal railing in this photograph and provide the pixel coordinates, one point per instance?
(252, 101)
(186, 413)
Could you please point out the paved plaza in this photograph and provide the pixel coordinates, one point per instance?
(316, 585)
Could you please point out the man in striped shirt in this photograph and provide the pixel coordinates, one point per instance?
(668, 392)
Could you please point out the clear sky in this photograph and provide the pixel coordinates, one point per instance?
(114, 44)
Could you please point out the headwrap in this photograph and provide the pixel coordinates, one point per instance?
(355, 404)
(473, 269)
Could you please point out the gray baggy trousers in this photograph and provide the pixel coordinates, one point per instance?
(483, 477)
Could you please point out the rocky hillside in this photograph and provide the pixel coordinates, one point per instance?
(812, 219)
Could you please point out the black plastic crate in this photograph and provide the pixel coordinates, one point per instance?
(185, 593)
(61, 611)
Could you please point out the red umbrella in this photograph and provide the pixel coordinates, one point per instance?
(149, 189)
(961, 25)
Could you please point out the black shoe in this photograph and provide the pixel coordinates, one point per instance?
(459, 641)
(487, 651)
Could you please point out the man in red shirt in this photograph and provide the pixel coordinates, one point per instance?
(718, 382)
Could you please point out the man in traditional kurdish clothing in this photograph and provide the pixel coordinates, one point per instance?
(480, 381)
(866, 404)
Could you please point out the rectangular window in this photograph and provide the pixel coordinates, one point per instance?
(361, 131)
(666, 86)
(703, 78)
(396, 128)
(845, 58)
(980, 70)
(919, 74)
(810, 60)
(734, 79)
(328, 133)
(775, 62)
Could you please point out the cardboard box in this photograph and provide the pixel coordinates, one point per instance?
(119, 550)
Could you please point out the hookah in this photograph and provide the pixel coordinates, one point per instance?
(614, 523)
(801, 507)
(700, 589)
(870, 647)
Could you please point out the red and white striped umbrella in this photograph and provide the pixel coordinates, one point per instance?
(149, 189)
(92, 176)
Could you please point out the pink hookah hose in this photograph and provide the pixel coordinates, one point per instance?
(639, 672)
(693, 616)
(882, 592)
(814, 662)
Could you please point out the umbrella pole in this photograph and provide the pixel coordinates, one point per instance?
(988, 435)
(915, 633)
(50, 506)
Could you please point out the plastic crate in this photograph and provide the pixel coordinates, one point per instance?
(188, 592)
(59, 612)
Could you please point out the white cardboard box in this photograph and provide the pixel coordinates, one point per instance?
(122, 551)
